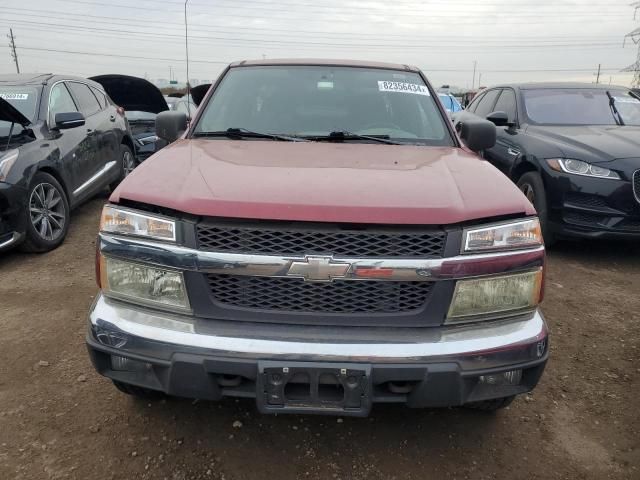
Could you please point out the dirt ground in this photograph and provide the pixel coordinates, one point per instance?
(59, 419)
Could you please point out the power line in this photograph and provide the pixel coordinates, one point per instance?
(49, 14)
(297, 44)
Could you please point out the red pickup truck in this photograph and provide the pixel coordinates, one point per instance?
(320, 238)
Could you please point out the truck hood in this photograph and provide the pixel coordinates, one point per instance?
(592, 143)
(9, 113)
(323, 182)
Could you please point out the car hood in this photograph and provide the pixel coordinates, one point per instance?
(133, 93)
(324, 182)
(9, 113)
(592, 143)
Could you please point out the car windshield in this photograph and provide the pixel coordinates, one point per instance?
(580, 106)
(449, 102)
(23, 99)
(314, 101)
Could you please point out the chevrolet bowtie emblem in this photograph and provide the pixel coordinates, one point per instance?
(318, 269)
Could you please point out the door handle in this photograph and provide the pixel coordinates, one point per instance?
(514, 152)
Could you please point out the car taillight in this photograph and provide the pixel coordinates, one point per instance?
(120, 111)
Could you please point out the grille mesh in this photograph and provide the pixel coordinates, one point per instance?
(268, 240)
(586, 201)
(296, 295)
(636, 185)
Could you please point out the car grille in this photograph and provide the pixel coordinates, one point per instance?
(636, 185)
(302, 239)
(338, 297)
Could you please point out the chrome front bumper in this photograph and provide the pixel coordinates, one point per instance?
(477, 346)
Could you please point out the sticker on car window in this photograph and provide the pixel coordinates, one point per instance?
(386, 86)
(14, 96)
(626, 100)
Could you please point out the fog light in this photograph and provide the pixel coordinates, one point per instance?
(123, 364)
(512, 377)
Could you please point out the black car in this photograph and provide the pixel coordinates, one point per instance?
(61, 141)
(141, 101)
(573, 149)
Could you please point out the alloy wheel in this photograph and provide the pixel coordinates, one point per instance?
(527, 189)
(47, 211)
(128, 162)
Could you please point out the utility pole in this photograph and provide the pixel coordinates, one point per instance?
(598, 74)
(12, 45)
(634, 36)
(473, 82)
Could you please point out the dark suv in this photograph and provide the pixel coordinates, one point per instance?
(574, 150)
(61, 140)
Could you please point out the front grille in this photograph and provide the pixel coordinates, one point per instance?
(636, 185)
(301, 239)
(296, 295)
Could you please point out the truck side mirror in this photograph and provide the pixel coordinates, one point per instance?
(170, 125)
(476, 133)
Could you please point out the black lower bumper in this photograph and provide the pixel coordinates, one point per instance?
(311, 387)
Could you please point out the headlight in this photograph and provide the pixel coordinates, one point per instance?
(503, 236)
(130, 222)
(143, 284)
(147, 140)
(578, 167)
(6, 162)
(495, 295)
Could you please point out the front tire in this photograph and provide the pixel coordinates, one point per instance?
(47, 214)
(127, 164)
(531, 185)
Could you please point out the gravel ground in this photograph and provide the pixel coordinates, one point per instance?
(59, 419)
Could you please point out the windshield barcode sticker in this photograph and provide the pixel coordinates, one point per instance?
(14, 96)
(385, 86)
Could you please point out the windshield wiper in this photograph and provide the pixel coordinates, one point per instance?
(342, 135)
(614, 110)
(244, 133)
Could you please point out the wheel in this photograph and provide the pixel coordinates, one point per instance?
(127, 165)
(491, 405)
(139, 392)
(531, 185)
(47, 212)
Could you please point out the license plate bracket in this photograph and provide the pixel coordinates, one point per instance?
(306, 387)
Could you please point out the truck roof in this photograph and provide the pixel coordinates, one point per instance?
(324, 63)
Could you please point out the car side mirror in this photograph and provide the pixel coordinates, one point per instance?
(170, 125)
(67, 120)
(476, 133)
(500, 119)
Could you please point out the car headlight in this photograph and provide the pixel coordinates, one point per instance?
(143, 284)
(147, 140)
(495, 296)
(6, 162)
(503, 236)
(131, 222)
(578, 167)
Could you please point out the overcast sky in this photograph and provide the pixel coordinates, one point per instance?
(511, 40)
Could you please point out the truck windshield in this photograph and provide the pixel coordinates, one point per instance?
(316, 101)
(580, 106)
(23, 99)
